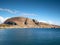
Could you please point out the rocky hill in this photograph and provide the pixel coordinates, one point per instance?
(22, 22)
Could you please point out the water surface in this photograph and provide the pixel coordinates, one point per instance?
(31, 36)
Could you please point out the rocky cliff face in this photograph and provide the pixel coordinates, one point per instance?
(28, 23)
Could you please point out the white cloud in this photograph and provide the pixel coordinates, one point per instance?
(8, 10)
(30, 15)
(27, 14)
(17, 12)
(49, 22)
(2, 19)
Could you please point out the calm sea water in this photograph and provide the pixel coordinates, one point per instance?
(34, 36)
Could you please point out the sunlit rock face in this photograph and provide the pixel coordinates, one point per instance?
(22, 22)
(28, 23)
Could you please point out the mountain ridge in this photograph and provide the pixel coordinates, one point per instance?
(23, 22)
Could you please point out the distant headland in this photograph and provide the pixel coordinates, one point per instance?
(22, 22)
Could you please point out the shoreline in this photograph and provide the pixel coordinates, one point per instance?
(18, 27)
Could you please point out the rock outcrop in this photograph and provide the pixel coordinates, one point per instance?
(28, 23)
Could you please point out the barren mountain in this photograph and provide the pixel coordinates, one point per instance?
(23, 22)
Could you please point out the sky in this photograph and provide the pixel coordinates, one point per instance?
(42, 10)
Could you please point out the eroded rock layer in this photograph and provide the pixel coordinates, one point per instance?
(28, 23)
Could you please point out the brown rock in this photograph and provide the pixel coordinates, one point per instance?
(28, 23)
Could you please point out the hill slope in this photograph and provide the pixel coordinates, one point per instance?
(22, 22)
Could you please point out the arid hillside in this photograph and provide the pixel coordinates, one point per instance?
(22, 22)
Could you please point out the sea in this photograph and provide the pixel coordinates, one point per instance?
(30, 36)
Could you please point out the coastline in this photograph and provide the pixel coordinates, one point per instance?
(22, 27)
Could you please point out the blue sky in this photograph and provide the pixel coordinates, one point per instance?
(42, 10)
